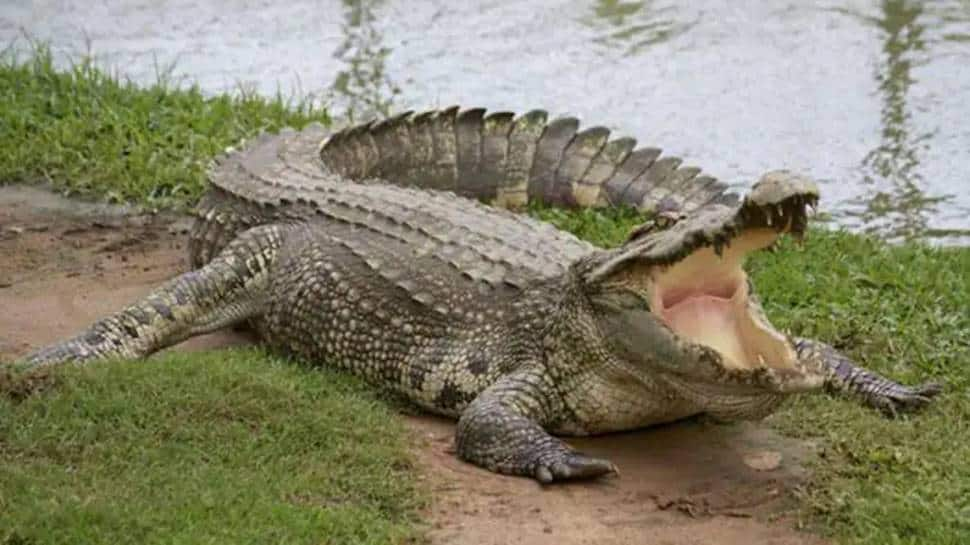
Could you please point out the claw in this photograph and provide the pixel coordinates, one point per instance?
(930, 389)
(912, 398)
(574, 466)
(719, 248)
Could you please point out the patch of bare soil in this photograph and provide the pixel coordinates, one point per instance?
(64, 263)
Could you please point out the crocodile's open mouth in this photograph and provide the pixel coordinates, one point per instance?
(704, 296)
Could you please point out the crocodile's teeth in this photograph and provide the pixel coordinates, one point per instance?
(768, 218)
(781, 210)
(761, 361)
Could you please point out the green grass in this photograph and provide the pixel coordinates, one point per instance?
(230, 448)
(902, 311)
(87, 132)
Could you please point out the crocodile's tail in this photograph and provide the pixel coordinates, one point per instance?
(510, 161)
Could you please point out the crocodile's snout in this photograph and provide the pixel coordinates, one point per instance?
(778, 201)
(779, 185)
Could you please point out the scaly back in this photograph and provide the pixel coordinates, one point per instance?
(500, 159)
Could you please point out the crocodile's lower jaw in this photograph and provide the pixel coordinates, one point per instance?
(704, 298)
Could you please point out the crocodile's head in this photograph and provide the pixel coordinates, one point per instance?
(670, 297)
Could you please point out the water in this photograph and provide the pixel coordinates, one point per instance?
(870, 98)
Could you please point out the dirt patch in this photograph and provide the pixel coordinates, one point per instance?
(686, 483)
(66, 263)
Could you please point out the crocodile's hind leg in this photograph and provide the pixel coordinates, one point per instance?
(227, 290)
(501, 430)
(846, 377)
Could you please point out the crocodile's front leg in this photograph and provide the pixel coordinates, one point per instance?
(501, 430)
(226, 291)
(845, 377)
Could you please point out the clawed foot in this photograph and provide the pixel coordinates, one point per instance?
(902, 399)
(572, 465)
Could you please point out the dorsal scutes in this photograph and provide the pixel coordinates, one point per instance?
(283, 180)
(509, 161)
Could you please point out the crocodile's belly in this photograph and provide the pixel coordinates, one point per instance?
(599, 406)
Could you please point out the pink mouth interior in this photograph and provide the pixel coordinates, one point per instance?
(712, 319)
(704, 298)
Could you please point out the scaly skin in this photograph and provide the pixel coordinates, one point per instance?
(365, 253)
(845, 377)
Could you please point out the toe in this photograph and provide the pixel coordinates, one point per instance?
(929, 389)
(574, 466)
(909, 399)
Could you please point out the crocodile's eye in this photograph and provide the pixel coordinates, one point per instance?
(660, 222)
(664, 221)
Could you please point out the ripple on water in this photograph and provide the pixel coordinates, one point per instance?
(870, 99)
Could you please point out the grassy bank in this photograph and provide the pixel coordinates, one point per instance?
(253, 439)
(228, 447)
(88, 133)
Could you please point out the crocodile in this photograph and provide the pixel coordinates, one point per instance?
(393, 249)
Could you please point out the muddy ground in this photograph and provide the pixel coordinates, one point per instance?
(64, 263)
